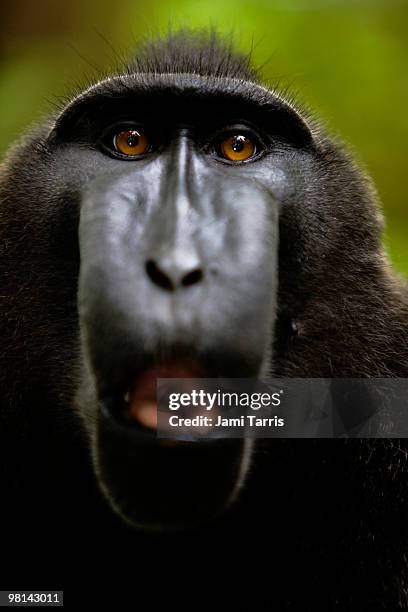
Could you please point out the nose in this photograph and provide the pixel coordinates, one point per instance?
(175, 270)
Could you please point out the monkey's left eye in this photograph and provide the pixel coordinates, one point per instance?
(237, 147)
(131, 143)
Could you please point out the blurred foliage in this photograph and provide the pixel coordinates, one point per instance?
(347, 60)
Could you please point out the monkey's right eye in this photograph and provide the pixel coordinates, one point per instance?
(131, 143)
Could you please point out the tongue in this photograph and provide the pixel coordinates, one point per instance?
(143, 401)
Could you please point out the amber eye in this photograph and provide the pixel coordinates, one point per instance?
(237, 147)
(131, 143)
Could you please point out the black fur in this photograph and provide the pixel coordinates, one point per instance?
(185, 52)
(319, 522)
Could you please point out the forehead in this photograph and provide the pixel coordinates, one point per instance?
(186, 94)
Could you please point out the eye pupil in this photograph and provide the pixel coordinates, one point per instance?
(132, 139)
(238, 143)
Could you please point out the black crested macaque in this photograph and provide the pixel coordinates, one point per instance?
(181, 219)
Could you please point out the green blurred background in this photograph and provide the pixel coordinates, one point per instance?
(345, 59)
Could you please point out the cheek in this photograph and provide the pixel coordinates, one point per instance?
(281, 178)
(75, 167)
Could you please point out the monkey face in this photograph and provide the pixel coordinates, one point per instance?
(178, 259)
(199, 207)
(178, 241)
(179, 220)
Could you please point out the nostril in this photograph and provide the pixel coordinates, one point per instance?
(191, 278)
(174, 271)
(157, 276)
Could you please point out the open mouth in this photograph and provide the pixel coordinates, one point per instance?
(153, 480)
(133, 405)
(136, 407)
